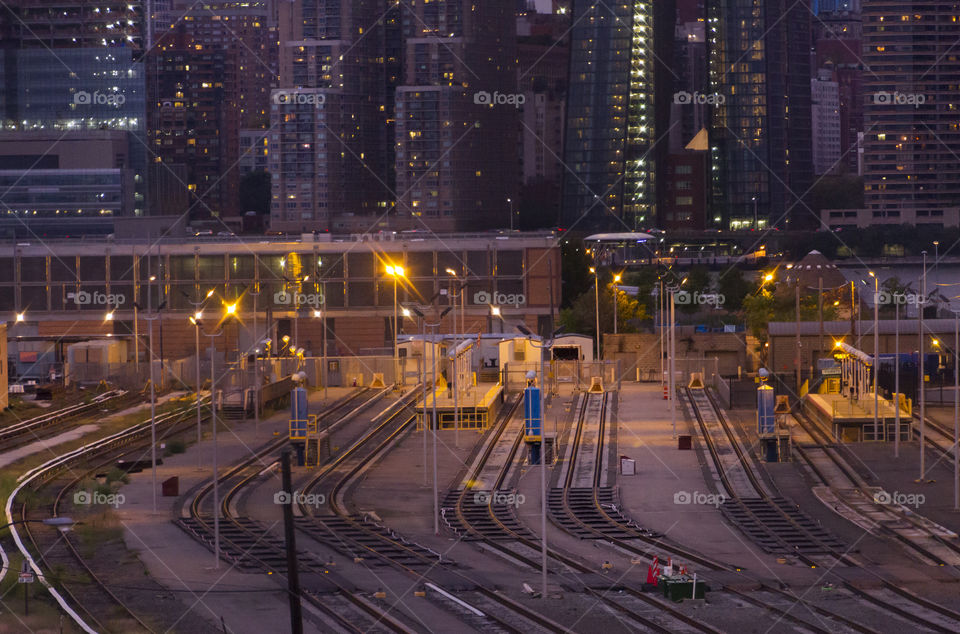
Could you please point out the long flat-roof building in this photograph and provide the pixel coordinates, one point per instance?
(89, 288)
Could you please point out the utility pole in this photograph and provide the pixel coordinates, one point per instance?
(798, 334)
(896, 381)
(293, 573)
(923, 387)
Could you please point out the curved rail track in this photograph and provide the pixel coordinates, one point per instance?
(13, 435)
(86, 459)
(366, 540)
(925, 540)
(922, 611)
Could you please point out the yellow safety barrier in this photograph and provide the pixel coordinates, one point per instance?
(696, 381)
(596, 385)
(377, 380)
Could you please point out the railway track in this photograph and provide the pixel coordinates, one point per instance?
(40, 426)
(250, 546)
(930, 543)
(772, 522)
(929, 614)
(482, 522)
(593, 512)
(373, 544)
(937, 436)
(89, 601)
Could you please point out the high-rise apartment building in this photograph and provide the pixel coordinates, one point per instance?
(543, 53)
(610, 175)
(457, 112)
(211, 69)
(838, 46)
(328, 145)
(71, 69)
(760, 147)
(825, 104)
(911, 136)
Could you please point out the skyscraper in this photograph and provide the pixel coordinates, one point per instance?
(610, 175)
(911, 137)
(457, 115)
(210, 74)
(72, 69)
(826, 123)
(760, 147)
(328, 146)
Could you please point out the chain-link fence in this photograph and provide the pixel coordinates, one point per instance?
(577, 374)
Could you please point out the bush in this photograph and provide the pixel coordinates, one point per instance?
(175, 447)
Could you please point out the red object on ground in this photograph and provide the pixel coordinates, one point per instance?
(666, 393)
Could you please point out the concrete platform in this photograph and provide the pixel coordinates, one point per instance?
(851, 420)
(178, 562)
(669, 494)
(478, 406)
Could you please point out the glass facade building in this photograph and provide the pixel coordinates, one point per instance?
(760, 142)
(75, 67)
(609, 180)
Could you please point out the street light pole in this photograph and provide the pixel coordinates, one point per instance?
(153, 400)
(896, 381)
(196, 325)
(876, 355)
(216, 471)
(616, 279)
(672, 349)
(436, 498)
(923, 390)
(396, 332)
(596, 295)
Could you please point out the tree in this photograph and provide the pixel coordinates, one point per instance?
(574, 270)
(734, 288)
(581, 315)
(254, 192)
